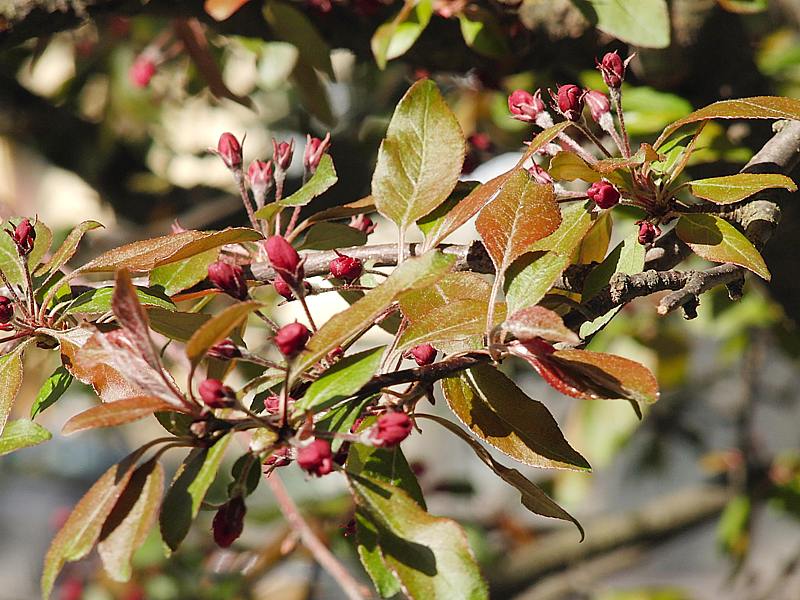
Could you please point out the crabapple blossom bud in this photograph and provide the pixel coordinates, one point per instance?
(539, 174)
(424, 354)
(284, 259)
(216, 394)
(142, 71)
(316, 458)
(612, 68)
(229, 522)
(224, 350)
(6, 310)
(272, 403)
(259, 176)
(291, 339)
(392, 428)
(23, 235)
(604, 194)
(228, 278)
(346, 268)
(315, 148)
(570, 101)
(282, 153)
(363, 223)
(279, 458)
(598, 104)
(282, 287)
(230, 151)
(525, 106)
(648, 232)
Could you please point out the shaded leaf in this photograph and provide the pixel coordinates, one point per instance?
(594, 244)
(178, 276)
(482, 32)
(98, 301)
(131, 316)
(10, 381)
(644, 24)
(396, 37)
(115, 413)
(67, 248)
(291, 25)
(330, 236)
(22, 433)
(385, 464)
(52, 389)
(369, 552)
(312, 91)
(733, 188)
(217, 329)
(176, 325)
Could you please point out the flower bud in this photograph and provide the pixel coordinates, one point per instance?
(539, 174)
(363, 223)
(229, 522)
(272, 403)
(216, 394)
(424, 354)
(604, 194)
(6, 310)
(282, 287)
(282, 153)
(612, 68)
(224, 350)
(346, 268)
(570, 101)
(230, 151)
(24, 235)
(316, 458)
(142, 71)
(291, 339)
(285, 260)
(391, 429)
(598, 104)
(279, 458)
(315, 148)
(648, 232)
(228, 278)
(525, 106)
(259, 176)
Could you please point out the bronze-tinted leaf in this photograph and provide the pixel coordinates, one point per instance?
(131, 316)
(67, 248)
(217, 329)
(115, 413)
(456, 322)
(733, 188)
(539, 322)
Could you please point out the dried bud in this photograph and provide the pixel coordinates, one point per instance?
(316, 458)
(224, 350)
(363, 223)
(285, 260)
(525, 106)
(392, 428)
(6, 310)
(24, 235)
(346, 268)
(612, 68)
(228, 278)
(424, 354)
(230, 151)
(142, 71)
(604, 194)
(259, 176)
(216, 394)
(282, 153)
(291, 339)
(229, 522)
(539, 174)
(598, 104)
(570, 101)
(315, 148)
(648, 232)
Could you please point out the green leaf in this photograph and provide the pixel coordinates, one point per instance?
(185, 495)
(22, 433)
(130, 521)
(330, 236)
(456, 322)
(291, 25)
(384, 464)
(10, 381)
(644, 23)
(312, 91)
(217, 328)
(111, 414)
(322, 179)
(420, 159)
(413, 273)
(369, 551)
(482, 32)
(342, 380)
(429, 555)
(733, 188)
(395, 37)
(10, 261)
(341, 419)
(67, 248)
(715, 239)
(52, 389)
(98, 301)
(176, 277)
(180, 326)
(501, 414)
(568, 166)
(461, 285)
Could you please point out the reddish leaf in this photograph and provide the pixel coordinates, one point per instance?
(131, 316)
(450, 288)
(115, 413)
(539, 322)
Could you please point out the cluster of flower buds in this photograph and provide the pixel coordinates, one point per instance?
(229, 522)
(224, 350)
(285, 260)
(316, 458)
(315, 148)
(228, 278)
(6, 313)
(391, 428)
(291, 339)
(24, 236)
(216, 394)
(648, 232)
(424, 354)
(363, 223)
(272, 403)
(604, 194)
(280, 457)
(346, 268)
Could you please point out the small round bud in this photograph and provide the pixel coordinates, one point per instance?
(229, 522)
(391, 429)
(598, 104)
(259, 176)
(6, 310)
(648, 232)
(282, 153)
(230, 151)
(24, 236)
(346, 268)
(363, 223)
(142, 71)
(315, 148)
(316, 458)
(291, 339)
(285, 260)
(216, 394)
(224, 350)
(604, 194)
(282, 287)
(569, 99)
(228, 278)
(525, 106)
(612, 68)
(424, 354)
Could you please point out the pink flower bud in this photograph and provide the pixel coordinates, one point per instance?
(6, 309)
(346, 268)
(284, 259)
(216, 394)
(230, 151)
(424, 354)
(228, 278)
(525, 106)
(598, 104)
(224, 350)
(363, 223)
(24, 236)
(539, 174)
(229, 522)
(259, 176)
(142, 71)
(569, 99)
(392, 428)
(291, 339)
(279, 458)
(316, 458)
(282, 153)
(272, 403)
(612, 68)
(282, 287)
(315, 148)
(604, 194)
(648, 232)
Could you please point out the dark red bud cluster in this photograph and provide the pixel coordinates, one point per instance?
(229, 522)
(604, 194)
(230, 151)
(648, 232)
(346, 268)
(316, 458)
(363, 223)
(424, 354)
(569, 101)
(391, 428)
(525, 106)
(228, 278)
(598, 104)
(24, 236)
(315, 148)
(142, 71)
(291, 339)
(216, 394)
(282, 153)
(612, 68)
(224, 350)
(285, 260)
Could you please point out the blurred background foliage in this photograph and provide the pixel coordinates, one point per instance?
(79, 140)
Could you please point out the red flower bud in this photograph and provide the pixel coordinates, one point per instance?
(272, 403)
(598, 104)
(570, 101)
(282, 153)
(604, 194)
(363, 223)
(6, 309)
(539, 174)
(142, 71)
(315, 148)
(229, 522)
(279, 458)
(316, 458)
(24, 235)
(259, 176)
(647, 232)
(228, 278)
(284, 259)
(481, 141)
(424, 354)
(282, 287)
(392, 428)
(216, 394)
(346, 268)
(612, 68)
(224, 350)
(525, 106)
(230, 151)
(291, 339)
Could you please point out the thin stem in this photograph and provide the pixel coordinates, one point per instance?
(616, 99)
(321, 554)
(239, 177)
(293, 220)
(584, 129)
(32, 297)
(577, 148)
(498, 281)
(270, 323)
(300, 294)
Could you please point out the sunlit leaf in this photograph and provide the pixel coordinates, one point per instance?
(539, 322)
(385, 464)
(733, 188)
(568, 166)
(342, 380)
(111, 414)
(455, 322)
(369, 552)
(482, 32)
(10, 381)
(395, 37)
(67, 248)
(217, 328)
(98, 301)
(178, 276)
(22, 433)
(219, 10)
(133, 319)
(52, 389)
(461, 285)
(594, 244)
(322, 179)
